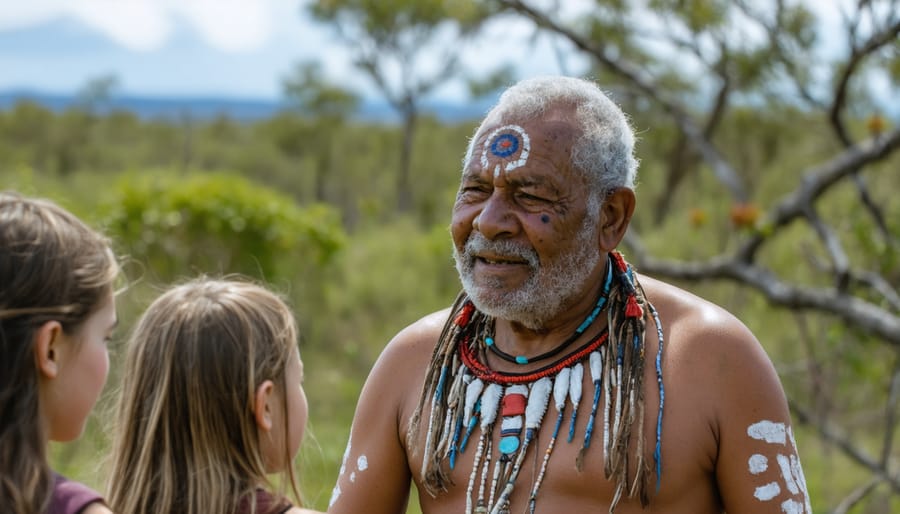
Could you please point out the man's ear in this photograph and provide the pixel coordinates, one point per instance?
(262, 410)
(615, 215)
(47, 339)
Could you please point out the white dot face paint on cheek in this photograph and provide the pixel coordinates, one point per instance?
(767, 492)
(758, 464)
(362, 463)
(768, 431)
(353, 476)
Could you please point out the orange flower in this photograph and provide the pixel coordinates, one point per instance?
(876, 125)
(698, 217)
(744, 215)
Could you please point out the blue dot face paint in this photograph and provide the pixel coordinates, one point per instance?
(502, 147)
(505, 145)
(545, 218)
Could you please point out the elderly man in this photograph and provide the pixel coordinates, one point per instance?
(560, 381)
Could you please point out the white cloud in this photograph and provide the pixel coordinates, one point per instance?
(140, 25)
(229, 25)
(146, 25)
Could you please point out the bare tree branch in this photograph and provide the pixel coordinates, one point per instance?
(740, 268)
(856, 496)
(780, 53)
(831, 435)
(858, 54)
(890, 415)
(852, 310)
(818, 180)
(839, 261)
(722, 169)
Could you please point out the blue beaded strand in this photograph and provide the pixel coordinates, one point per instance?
(657, 452)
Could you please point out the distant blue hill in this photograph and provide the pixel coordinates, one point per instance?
(235, 108)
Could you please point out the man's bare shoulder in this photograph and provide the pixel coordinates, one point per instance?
(710, 353)
(693, 323)
(416, 338)
(405, 358)
(706, 344)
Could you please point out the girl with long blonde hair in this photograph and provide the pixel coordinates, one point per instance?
(211, 403)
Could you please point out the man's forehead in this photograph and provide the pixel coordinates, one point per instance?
(506, 148)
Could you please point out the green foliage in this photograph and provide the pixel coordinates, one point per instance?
(479, 87)
(800, 25)
(391, 16)
(308, 93)
(697, 15)
(218, 223)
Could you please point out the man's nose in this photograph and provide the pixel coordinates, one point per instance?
(496, 219)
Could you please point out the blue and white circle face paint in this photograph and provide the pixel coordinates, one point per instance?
(503, 143)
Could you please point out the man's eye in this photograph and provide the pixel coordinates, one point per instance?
(532, 198)
(473, 190)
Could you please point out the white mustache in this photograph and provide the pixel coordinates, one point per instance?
(477, 243)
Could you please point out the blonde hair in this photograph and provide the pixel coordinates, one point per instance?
(52, 267)
(186, 437)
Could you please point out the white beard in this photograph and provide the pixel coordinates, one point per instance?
(548, 290)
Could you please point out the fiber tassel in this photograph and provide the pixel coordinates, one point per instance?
(462, 319)
(560, 391)
(632, 309)
(437, 397)
(490, 401)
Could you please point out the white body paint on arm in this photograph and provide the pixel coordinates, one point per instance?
(794, 482)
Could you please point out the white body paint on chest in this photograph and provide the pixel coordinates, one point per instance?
(792, 478)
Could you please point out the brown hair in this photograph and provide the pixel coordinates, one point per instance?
(52, 267)
(186, 438)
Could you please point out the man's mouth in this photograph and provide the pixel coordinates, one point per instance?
(499, 260)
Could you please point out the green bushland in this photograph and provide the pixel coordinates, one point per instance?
(318, 224)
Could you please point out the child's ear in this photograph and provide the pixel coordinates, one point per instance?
(46, 348)
(261, 407)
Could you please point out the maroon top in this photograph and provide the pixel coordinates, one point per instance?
(266, 503)
(71, 497)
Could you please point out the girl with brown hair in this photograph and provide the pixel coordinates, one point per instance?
(57, 312)
(211, 403)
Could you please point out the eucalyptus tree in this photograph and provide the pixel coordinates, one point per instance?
(408, 48)
(316, 112)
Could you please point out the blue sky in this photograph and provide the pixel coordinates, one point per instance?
(241, 48)
(232, 48)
